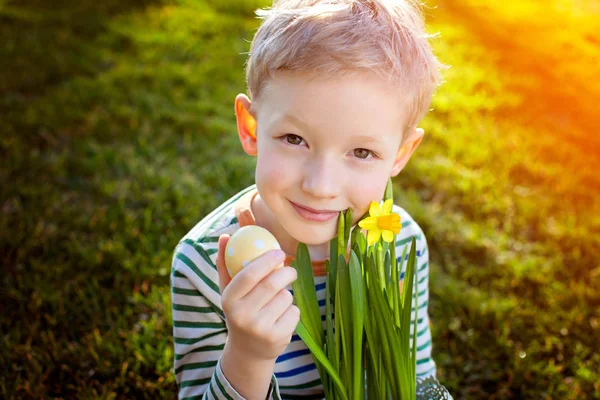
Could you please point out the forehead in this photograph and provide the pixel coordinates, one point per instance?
(360, 102)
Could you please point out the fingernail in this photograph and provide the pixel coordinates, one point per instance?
(280, 254)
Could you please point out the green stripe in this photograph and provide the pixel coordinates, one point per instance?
(194, 292)
(227, 396)
(197, 397)
(195, 382)
(208, 239)
(180, 340)
(234, 220)
(177, 274)
(212, 391)
(201, 251)
(192, 324)
(198, 272)
(275, 395)
(187, 292)
(183, 307)
(425, 345)
(423, 361)
(307, 385)
(426, 372)
(421, 332)
(407, 240)
(201, 350)
(187, 367)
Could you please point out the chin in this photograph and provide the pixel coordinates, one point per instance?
(316, 236)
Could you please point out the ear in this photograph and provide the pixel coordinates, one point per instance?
(246, 124)
(406, 150)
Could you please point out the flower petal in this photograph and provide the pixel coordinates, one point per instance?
(387, 207)
(373, 236)
(396, 223)
(368, 223)
(388, 236)
(375, 209)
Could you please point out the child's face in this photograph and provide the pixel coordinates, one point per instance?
(327, 144)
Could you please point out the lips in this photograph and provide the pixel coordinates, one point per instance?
(311, 214)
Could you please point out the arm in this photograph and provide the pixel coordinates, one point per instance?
(199, 330)
(235, 359)
(261, 318)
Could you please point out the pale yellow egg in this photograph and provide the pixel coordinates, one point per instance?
(247, 244)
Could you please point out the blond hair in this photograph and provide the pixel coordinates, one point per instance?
(336, 37)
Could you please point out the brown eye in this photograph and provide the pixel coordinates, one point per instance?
(362, 153)
(293, 139)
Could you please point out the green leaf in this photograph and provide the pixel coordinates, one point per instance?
(378, 308)
(341, 240)
(347, 226)
(333, 257)
(389, 190)
(358, 313)
(329, 338)
(387, 268)
(343, 312)
(407, 293)
(320, 356)
(379, 264)
(305, 294)
(399, 302)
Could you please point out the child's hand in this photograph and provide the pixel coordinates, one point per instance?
(259, 312)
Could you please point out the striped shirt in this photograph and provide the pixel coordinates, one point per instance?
(199, 328)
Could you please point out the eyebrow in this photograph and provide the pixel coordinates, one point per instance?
(297, 121)
(305, 126)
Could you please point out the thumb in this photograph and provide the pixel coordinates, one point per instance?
(224, 277)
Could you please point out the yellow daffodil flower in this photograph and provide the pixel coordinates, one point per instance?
(382, 222)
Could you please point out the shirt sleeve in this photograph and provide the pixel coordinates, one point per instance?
(199, 329)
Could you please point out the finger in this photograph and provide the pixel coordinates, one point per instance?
(270, 286)
(286, 324)
(255, 272)
(224, 277)
(275, 308)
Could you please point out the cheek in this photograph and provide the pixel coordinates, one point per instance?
(272, 169)
(370, 190)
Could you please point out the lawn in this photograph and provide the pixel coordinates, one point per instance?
(118, 135)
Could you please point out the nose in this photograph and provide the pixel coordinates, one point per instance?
(321, 178)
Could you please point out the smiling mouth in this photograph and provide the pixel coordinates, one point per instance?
(315, 211)
(314, 215)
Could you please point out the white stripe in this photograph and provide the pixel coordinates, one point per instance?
(185, 348)
(185, 300)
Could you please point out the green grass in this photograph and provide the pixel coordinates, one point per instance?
(118, 135)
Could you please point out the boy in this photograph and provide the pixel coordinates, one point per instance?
(336, 91)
